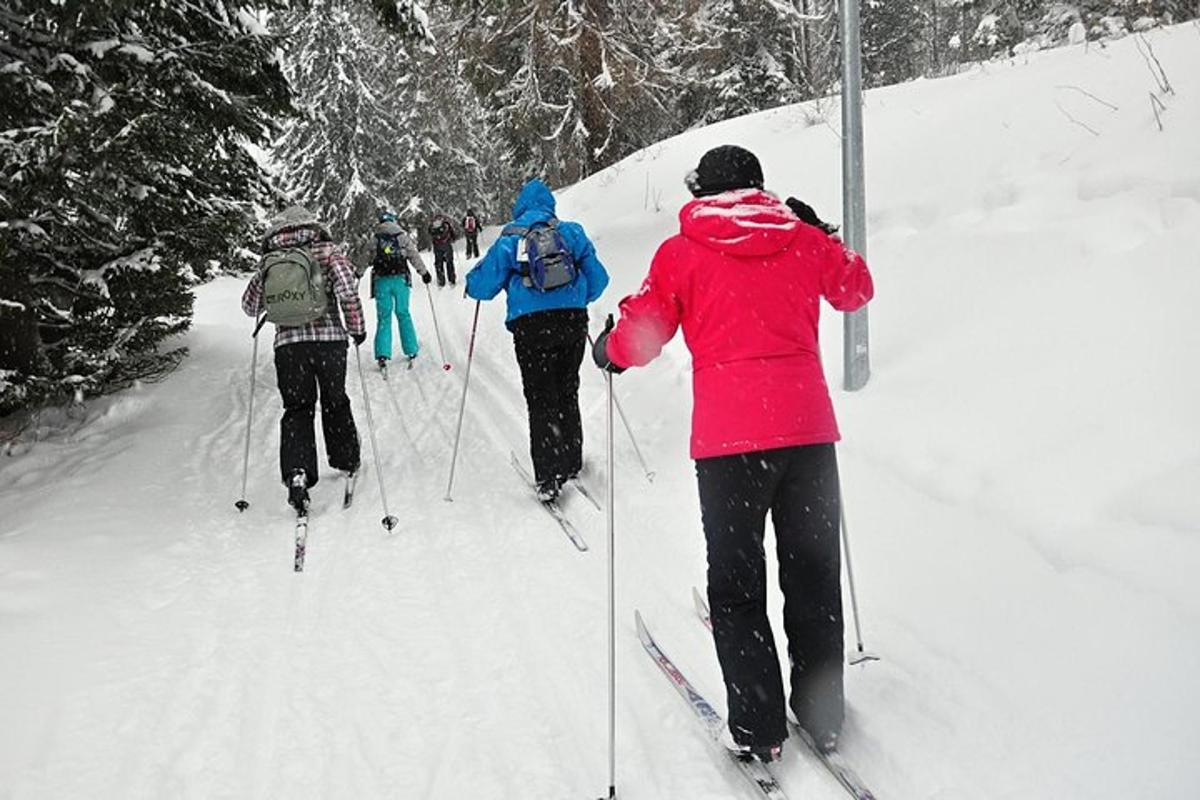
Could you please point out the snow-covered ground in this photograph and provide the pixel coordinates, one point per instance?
(1020, 478)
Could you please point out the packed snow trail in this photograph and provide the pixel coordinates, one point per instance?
(1019, 477)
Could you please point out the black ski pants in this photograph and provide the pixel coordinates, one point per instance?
(799, 487)
(472, 245)
(304, 370)
(550, 347)
(443, 263)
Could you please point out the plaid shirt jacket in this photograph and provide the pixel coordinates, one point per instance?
(341, 284)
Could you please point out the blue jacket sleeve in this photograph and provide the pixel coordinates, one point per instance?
(589, 264)
(491, 274)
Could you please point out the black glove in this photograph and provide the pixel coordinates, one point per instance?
(600, 350)
(806, 214)
(426, 277)
(359, 338)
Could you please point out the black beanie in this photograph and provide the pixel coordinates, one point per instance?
(724, 168)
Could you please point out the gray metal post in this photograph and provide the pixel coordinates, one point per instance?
(855, 349)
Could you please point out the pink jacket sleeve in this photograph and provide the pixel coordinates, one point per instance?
(650, 317)
(845, 280)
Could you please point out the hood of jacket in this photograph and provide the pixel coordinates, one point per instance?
(388, 229)
(535, 200)
(295, 218)
(746, 223)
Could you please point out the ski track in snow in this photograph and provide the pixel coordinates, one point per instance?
(1019, 485)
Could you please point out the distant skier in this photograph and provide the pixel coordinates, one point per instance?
(744, 279)
(391, 284)
(550, 272)
(303, 279)
(441, 233)
(470, 226)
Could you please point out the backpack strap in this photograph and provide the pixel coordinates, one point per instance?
(514, 230)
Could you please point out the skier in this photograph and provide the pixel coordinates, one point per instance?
(391, 284)
(549, 285)
(310, 358)
(441, 232)
(744, 278)
(470, 226)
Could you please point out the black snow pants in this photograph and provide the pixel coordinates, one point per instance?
(799, 487)
(443, 263)
(550, 347)
(472, 245)
(303, 369)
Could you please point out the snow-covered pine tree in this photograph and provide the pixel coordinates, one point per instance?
(388, 122)
(572, 87)
(122, 176)
(739, 56)
(345, 69)
(896, 43)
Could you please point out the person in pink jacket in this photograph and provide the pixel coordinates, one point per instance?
(744, 278)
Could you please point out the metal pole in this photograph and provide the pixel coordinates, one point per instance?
(243, 504)
(612, 598)
(862, 654)
(389, 522)
(629, 430)
(462, 406)
(855, 347)
(436, 329)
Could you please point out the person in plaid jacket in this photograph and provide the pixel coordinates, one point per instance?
(311, 359)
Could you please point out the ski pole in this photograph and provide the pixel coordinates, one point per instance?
(462, 405)
(633, 439)
(862, 655)
(437, 330)
(612, 601)
(389, 522)
(243, 504)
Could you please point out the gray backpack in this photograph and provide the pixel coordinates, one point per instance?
(293, 287)
(543, 258)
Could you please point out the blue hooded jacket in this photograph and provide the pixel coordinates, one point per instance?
(498, 269)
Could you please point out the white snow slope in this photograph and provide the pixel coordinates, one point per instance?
(1020, 481)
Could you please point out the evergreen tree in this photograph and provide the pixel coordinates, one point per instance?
(573, 87)
(123, 176)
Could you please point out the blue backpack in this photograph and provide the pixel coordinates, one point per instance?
(544, 259)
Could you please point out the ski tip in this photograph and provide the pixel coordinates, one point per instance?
(643, 633)
(241, 505)
(390, 522)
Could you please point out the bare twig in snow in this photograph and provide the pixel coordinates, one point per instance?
(1089, 94)
(1156, 106)
(1067, 114)
(1153, 64)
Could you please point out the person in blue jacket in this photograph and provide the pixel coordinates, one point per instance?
(550, 272)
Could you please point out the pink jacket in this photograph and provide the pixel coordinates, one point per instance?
(744, 277)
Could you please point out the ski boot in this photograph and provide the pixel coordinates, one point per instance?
(298, 492)
(382, 362)
(825, 742)
(745, 752)
(548, 490)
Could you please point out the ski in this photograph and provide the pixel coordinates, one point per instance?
(754, 771)
(579, 486)
(301, 539)
(836, 765)
(833, 762)
(351, 482)
(551, 507)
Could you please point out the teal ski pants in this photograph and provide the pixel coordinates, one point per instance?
(391, 296)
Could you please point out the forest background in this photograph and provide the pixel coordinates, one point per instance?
(144, 142)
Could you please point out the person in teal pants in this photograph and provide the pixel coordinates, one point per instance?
(391, 285)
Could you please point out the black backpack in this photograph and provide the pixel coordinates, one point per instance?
(390, 258)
